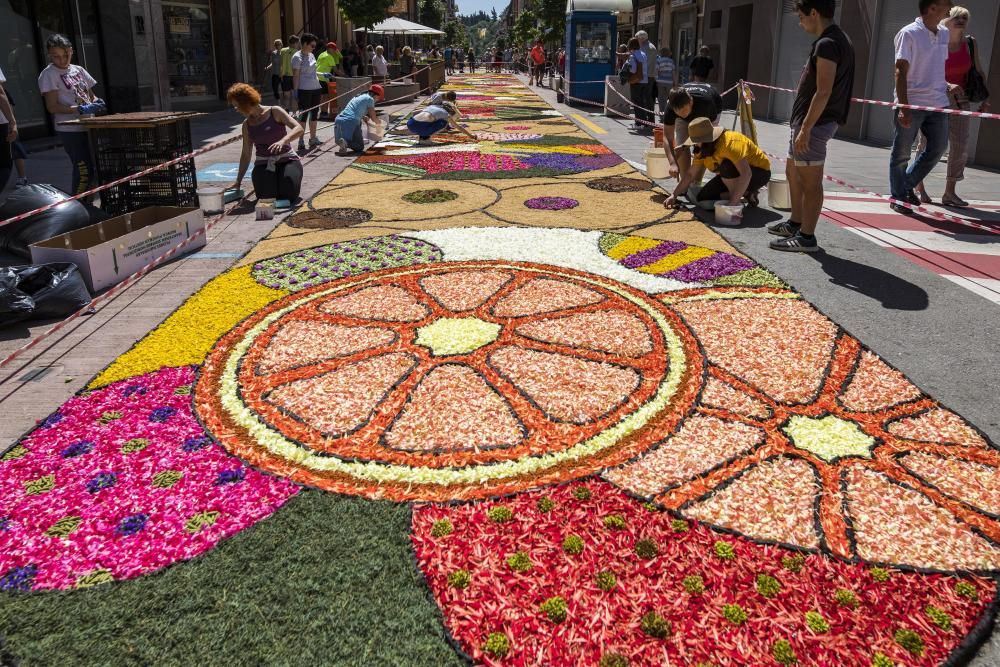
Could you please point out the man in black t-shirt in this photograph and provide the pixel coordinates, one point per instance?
(702, 65)
(685, 103)
(821, 105)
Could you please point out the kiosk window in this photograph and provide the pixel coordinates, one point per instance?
(593, 42)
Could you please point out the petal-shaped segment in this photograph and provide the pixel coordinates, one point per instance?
(385, 303)
(976, 484)
(782, 346)
(702, 444)
(122, 482)
(611, 331)
(719, 394)
(937, 425)
(343, 400)
(896, 524)
(453, 409)
(566, 388)
(303, 342)
(464, 290)
(545, 295)
(875, 385)
(750, 505)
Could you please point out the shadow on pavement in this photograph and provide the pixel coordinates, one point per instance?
(892, 291)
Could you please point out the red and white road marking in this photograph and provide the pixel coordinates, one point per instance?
(961, 254)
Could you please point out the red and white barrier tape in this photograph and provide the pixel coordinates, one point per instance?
(881, 103)
(164, 165)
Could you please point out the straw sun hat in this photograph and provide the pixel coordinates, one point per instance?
(701, 131)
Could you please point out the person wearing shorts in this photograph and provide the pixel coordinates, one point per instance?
(287, 101)
(821, 105)
(685, 103)
(308, 90)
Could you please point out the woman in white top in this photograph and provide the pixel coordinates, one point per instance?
(306, 86)
(380, 68)
(68, 93)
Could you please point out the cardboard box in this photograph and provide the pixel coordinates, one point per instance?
(111, 251)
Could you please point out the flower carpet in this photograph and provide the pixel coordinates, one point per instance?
(518, 415)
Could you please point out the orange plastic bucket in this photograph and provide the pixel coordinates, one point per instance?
(658, 137)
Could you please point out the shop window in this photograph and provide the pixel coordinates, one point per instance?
(20, 56)
(190, 54)
(593, 42)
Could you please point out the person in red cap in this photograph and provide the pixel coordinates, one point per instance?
(347, 126)
(327, 67)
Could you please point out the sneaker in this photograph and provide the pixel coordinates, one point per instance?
(784, 228)
(797, 243)
(314, 142)
(342, 145)
(20, 182)
(301, 146)
(902, 210)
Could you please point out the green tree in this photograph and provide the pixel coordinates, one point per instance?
(552, 14)
(364, 13)
(454, 34)
(525, 28)
(432, 13)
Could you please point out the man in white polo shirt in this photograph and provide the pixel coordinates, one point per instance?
(921, 51)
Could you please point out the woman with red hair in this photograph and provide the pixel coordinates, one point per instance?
(277, 171)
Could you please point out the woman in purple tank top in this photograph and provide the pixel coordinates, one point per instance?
(277, 171)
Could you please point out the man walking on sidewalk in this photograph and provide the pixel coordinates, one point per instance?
(649, 89)
(821, 106)
(921, 52)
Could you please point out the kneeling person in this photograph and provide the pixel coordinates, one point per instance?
(741, 168)
(434, 118)
(347, 125)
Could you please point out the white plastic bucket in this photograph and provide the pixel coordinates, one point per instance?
(211, 200)
(726, 214)
(657, 165)
(777, 193)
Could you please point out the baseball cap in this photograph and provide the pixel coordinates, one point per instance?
(331, 45)
(377, 90)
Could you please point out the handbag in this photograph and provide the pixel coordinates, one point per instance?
(637, 76)
(975, 87)
(624, 74)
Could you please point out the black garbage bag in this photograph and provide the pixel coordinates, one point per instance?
(40, 291)
(15, 238)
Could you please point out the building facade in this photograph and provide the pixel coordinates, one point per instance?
(154, 54)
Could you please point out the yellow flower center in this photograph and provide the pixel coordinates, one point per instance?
(829, 438)
(450, 335)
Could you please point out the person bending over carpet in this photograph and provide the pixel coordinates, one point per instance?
(434, 118)
(347, 126)
(277, 171)
(741, 168)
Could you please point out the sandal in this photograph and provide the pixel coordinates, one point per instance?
(954, 202)
(924, 197)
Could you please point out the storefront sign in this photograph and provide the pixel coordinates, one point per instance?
(681, 3)
(647, 15)
(179, 25)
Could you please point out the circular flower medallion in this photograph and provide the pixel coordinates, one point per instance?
(551, 203)
(446, 381)
(432, 196)
(329, 218)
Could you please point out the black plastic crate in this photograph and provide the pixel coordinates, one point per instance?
(121, 151)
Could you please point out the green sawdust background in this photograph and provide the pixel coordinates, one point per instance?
(328, 580)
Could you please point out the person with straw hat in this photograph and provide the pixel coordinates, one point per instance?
(741, 168)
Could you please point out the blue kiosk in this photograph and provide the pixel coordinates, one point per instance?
(591, 41)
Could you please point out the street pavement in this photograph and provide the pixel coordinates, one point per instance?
(923, 294)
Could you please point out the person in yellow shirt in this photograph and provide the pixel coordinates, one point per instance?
(286, 71)
(741, 168)
(327, 66)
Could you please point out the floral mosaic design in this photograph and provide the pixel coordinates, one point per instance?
(575, 573)
(120, 483)
(458, 380)
(321, 264)
(847, 439)
(618, 450)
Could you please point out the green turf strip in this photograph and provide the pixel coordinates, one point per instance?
(327, 580)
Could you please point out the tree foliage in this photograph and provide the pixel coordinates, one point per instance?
(432, 13)
(455, 34)
(525, 28)
(364, 13)
(552, 14)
